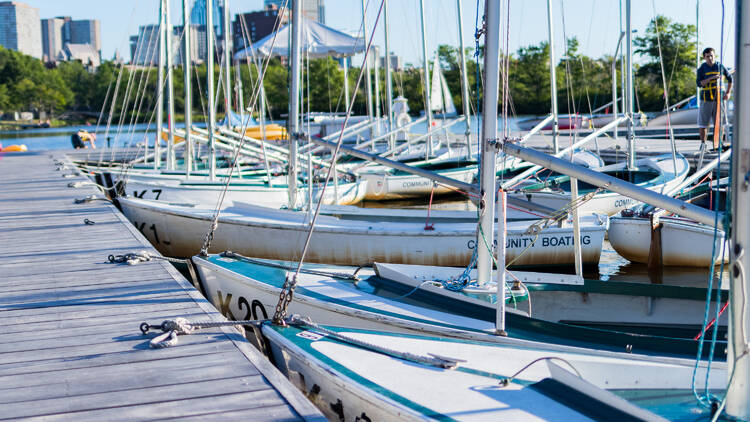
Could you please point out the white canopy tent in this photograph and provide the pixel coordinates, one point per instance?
(317, 41)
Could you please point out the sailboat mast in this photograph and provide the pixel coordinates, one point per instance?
(737, 404)
(489, 141)
(210, 88)
(160, 90)
(553, 80)
(426, 71)
(294, 102)
(388, 77)
(368, 81)
(170, 85)
(238, 85)
(186, 66)
(697, 49)
(630, 109)
(227, 66)
(376, 73)
(464, 78)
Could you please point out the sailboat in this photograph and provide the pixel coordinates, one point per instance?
(441, 100)
(354, 297)
(362, 373)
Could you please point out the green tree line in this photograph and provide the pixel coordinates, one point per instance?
(583, 83)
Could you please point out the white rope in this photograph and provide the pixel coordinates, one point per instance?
(173, 328)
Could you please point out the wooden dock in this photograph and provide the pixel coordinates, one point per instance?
(70, 345)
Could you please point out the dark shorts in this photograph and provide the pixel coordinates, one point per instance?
(76, 141)
(706, 114)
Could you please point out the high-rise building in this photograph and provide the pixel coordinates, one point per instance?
(312, 9)
(198, 48)
(198, 16)
(144, 47)
(256, 25)
(52, 38)
(86, 32)
(20, 28)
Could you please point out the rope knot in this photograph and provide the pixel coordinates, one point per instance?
(180, 325)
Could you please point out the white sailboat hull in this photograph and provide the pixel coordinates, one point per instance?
(389, 186)
(280, 234)
(683, 243)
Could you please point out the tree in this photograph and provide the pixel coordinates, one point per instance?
(529, 79)
(678, 56)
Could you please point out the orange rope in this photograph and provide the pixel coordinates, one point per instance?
(703, 333)
(427, 225)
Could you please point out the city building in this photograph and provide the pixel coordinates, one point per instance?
(52, 38)
(86, 31)
(396, 62)
(20, 28)
(312, 9)
(198, 16)
(198, 48)
(144, 47)
(256, 25)
(62, 30)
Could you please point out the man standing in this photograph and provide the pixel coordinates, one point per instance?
(707, 78)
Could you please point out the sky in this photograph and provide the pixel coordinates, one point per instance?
(595, 23)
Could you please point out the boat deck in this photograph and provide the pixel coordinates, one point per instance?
(69, 320)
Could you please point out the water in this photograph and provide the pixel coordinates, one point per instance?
(59, 137)
(611, 267)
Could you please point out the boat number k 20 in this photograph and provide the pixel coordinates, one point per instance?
(253, 309)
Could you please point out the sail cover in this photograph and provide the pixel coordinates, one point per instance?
(317, 40)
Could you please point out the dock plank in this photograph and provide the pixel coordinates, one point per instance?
(70, 347)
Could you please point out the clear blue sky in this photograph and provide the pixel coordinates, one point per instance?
(594, 22)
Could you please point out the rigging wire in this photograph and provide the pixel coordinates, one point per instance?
(289, 284)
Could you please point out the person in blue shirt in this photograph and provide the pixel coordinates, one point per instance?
(708, 80)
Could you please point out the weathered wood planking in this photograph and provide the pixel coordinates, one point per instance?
(70, 347)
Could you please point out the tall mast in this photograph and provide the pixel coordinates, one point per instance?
(227, 66)
(170, 85)
(630, 108)
(294, 102)
(738, 405)
(186, 66)
(464, 78)
(426, 71)
(345, 63)
(238, 87)
(210, 88)
(553, 80)
(376, 73)
(489, 139)
(368, 81)
(160, 89)
(697, 49)
(388, 76)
